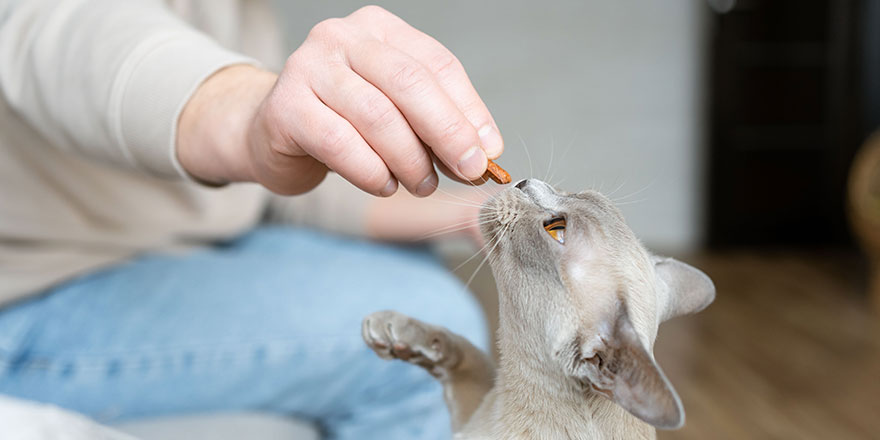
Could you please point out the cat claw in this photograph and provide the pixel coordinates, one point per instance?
(393, 335)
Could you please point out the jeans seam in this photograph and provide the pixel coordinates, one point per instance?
(203, 355)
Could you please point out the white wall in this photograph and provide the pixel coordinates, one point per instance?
(619, 81)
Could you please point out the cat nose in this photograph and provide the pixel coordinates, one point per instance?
(522, 184)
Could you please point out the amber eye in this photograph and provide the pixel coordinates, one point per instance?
(556, 228)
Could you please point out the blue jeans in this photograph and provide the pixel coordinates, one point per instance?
(269, 322)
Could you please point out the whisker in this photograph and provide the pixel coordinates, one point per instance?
(440, 233)
(452, 202)
(529, 155)
(630, 202)
(456, 196)
(454, 228)
(568, 148)
(478, 252)
(552, 175)
(486, 193)
(558, 184)
(616, 189)
(644, 188)
(489, 254)
(480, 219)
(550, 163)
(474, 221)
(601, 187)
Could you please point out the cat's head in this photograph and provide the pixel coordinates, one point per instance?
(582, 291)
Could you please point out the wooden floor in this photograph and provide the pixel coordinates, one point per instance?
(789, 350)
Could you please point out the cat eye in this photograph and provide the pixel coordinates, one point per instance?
(556, 228)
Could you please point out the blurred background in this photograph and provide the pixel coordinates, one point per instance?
(734, 135)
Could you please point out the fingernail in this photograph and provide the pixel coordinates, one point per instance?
(390, 188)
(493, 145)
(472, 164)
(427, 186)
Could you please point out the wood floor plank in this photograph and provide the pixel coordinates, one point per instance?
(789, 350)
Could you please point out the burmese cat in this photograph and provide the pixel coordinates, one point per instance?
(580, 303)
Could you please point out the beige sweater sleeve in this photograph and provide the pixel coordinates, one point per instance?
(105, 78)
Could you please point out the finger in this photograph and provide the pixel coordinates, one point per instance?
(274, 171)
(450, 174)
(429, 110)
(445, 67)
(326, 136)
(279, 163)
(451, 76)
(380, 123)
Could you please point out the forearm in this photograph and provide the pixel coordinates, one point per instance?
(403, 217)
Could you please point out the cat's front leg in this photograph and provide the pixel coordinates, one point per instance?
(464, 370)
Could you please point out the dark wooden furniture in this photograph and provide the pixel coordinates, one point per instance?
(787, 105)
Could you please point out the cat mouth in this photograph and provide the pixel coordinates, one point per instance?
(500, 212)
(505, 206)
(502, 208)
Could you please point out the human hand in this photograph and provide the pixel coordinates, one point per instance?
(366, 96)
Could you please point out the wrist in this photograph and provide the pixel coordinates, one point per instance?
(212, 135)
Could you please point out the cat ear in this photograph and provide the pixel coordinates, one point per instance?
(686, 289)
(623, 371)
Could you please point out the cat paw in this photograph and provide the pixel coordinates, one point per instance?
(393, 335)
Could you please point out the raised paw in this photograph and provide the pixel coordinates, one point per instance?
(394, 335)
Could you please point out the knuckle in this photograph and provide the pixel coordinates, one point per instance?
(335, 142)
(476, 112)
(372, 11)
(376, 180)
(378, 112)
(301, 61)
(415, 161)
(373, 177)
(410, 77)
(273, 121)
(293, 61)
(410, 168)
(452, 130)
(273, 105)
(445, 64)
(331, 28)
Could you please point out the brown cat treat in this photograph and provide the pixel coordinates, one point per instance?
(497, 173)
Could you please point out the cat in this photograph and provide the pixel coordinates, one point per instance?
(580, 302)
